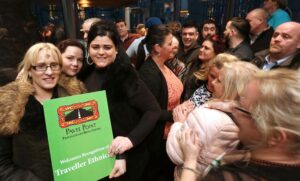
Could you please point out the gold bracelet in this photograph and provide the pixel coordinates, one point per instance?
(190, 169)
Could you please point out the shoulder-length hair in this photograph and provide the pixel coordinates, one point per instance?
(31, 57)
(219, 47)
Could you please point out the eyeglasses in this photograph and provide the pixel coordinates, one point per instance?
(243, 111)
(43, 67)
(233, 116)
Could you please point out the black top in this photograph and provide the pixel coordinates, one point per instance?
(132, 107)
(242, 51)
(190, 55)
(29, 148)
(262, 42)
(255, 170)
(157, 84)
(133, 111)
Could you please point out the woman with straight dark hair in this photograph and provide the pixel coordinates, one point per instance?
(167, 89)
(133, 109)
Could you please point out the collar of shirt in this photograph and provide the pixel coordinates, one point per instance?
(268, 64)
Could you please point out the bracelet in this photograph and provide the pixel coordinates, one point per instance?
(190, 169)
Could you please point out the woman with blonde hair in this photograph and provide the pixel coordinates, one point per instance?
(206, 91)
(215, 129)
(267, 114)
(24, 150)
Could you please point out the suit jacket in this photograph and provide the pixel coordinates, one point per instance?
(292, 63)
(242, 51)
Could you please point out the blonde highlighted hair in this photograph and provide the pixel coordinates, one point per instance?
(235, 76)
(278, 107)
(31, 57)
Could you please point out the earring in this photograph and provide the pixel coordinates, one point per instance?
(88, 61)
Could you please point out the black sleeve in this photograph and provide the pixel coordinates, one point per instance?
(166, 116)
(8, 170)
(145, 103)
(151, 78)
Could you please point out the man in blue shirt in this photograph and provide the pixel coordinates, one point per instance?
(284, 48)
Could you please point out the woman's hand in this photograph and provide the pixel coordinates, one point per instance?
(181, 111)
(190, 145)
(188, 105)
(119, 168)
(119, 145)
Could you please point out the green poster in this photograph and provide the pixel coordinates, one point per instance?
(79, 134)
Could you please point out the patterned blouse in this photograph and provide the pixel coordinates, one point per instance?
(201, 95)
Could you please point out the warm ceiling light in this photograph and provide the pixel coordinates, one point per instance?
(84, 3)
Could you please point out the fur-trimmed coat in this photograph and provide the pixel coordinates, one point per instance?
(133, 111)
(13, 101)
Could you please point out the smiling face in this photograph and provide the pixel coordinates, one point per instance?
(166, 49)
(189, 36)
(72, 60)
(102, 51)
(175, 47)
(206, 52)
(48, 79)
(208, 30)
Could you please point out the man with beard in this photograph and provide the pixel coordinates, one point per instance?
(237, 35)
(284, 48)
(208, 28)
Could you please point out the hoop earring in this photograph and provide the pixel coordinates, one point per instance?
(88, 61)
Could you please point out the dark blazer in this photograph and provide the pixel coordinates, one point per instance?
(242, 51)
(156, 82)
(133, 111)
(262, 42)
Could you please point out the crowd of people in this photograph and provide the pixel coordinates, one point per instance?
(186, 102)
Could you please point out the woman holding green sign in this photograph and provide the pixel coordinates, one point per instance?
(133, 109)
(24, 150)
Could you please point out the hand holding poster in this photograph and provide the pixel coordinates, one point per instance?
(79, 134)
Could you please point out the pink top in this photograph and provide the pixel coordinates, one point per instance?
(175, 89)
